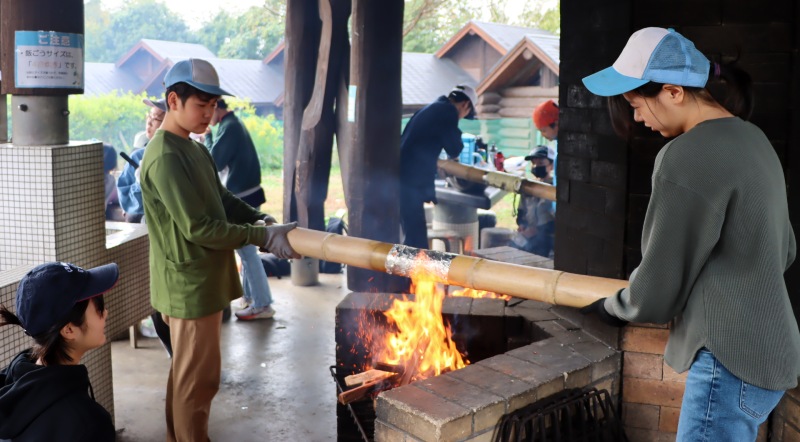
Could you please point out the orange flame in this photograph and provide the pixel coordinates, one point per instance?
(415, 338)
(422, 344)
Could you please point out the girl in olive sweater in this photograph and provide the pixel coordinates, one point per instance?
(716, 240)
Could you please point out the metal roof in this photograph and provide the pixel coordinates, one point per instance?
(549, 44)
(425, 77)
(103, 78)
(177, 51)
(507, 35)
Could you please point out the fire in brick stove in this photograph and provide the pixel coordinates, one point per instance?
(409, 341)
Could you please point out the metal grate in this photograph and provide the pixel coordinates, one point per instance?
(570, 416)
(362, 414)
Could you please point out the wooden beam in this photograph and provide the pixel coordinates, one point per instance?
(373, 159)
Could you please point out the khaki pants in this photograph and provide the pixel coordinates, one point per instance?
(194, 376)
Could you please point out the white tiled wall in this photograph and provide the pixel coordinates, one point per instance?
(51, 208)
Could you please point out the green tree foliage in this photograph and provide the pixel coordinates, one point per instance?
(535, 16)
(266, 132)
(97, 20)
(136, 20)
(221, 29)
(115, 119)
(111, 118)
(428, 24)
(252, 35)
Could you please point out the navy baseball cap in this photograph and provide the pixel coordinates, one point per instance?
(195, 72)
(47, 293)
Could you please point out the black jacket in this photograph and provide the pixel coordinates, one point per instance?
(39, 403)
(431, 129)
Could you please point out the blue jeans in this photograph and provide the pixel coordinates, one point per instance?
(254, 278)
(718, 406)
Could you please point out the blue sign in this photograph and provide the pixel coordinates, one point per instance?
(48, 59)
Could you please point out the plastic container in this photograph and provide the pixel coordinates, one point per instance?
(467, 153)
(305, 271)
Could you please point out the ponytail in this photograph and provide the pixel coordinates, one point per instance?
(8, 318)
(732, 87)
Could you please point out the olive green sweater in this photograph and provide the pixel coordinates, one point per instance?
(194, 225)
(715, 245)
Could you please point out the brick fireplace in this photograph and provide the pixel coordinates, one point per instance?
(537, 353)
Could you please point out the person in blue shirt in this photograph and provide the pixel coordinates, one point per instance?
(431, 129)
(128, 188)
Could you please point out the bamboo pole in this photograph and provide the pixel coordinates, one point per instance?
(505, 181)
(551, 286)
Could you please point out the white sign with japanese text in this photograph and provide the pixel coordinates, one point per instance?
(48, 59)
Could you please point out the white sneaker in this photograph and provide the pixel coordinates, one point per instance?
(250, 313)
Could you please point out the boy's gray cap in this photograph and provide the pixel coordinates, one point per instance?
(195, 72)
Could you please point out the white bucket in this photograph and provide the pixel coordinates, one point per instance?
(305, 271)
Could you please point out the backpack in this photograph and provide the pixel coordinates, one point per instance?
(335, 225)
(275, 266)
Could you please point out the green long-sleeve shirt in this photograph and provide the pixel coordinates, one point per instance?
(194, 226)
(715, 245)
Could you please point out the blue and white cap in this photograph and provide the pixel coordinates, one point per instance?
(652, 54)
(196, 72)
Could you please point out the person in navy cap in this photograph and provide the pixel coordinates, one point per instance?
(45, 392)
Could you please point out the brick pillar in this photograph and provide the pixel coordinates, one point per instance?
(592, 161)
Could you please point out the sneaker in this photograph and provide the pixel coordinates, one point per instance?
(147, 329)
(252, 312)
(242, 303)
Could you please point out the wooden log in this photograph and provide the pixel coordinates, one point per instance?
(531, 91)
(551, 286)
(489, 98)
(489, 116)
(362, 391)
(516, 112)
(366, 377)
(374, 159)
(523, 102)
(313, 161)
(303, 29)
(487, 108)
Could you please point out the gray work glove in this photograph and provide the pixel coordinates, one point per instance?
(277, 243)
(269, 220)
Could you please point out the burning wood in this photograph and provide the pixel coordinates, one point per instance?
(368, 376)
(366, 389)
(501, 180)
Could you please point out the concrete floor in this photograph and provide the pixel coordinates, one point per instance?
(276, 385)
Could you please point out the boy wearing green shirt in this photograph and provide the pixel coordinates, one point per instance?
(194, 226)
